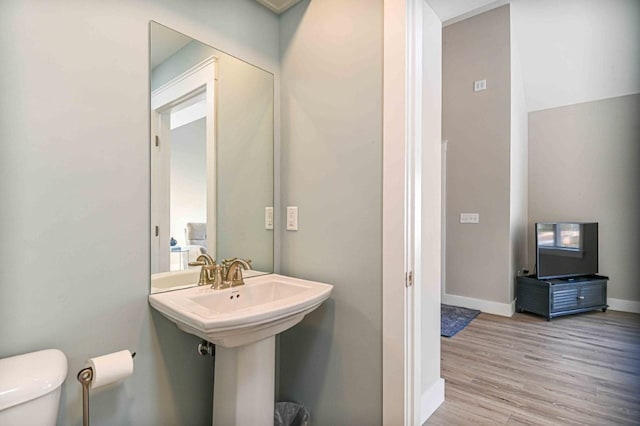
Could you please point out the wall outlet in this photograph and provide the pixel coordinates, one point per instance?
(268, 218)
(469, 217)
(292, 218)
(479, 85)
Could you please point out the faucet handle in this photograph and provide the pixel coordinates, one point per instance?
(237, 278)
(197, 263)
(218, 283)
(206, 259)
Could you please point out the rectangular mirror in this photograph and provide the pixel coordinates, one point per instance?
(211, 159)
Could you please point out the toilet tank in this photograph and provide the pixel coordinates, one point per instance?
(30, 387)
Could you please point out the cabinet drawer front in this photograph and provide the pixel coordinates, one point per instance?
(564, 299)
(591, 295)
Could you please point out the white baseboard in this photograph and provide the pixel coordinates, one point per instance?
(431, 400)
(488, 306)
(508, 309)
(624, 305)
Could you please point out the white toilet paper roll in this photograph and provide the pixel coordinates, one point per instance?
(110, 368)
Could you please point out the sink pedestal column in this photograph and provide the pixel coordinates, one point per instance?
(244, 384)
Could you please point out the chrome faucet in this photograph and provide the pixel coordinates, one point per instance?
(232, 271)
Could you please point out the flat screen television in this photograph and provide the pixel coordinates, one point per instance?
(566, 249)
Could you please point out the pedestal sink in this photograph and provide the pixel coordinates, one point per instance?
(242, 322)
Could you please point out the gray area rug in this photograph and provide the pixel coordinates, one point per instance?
(453, 319)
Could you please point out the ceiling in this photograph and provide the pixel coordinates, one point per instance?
(278, 6)
(447, 10)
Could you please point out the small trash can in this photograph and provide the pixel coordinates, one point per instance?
(291, 414)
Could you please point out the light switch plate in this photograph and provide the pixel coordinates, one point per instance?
(469, 217)
(292, 218)
(268, 218)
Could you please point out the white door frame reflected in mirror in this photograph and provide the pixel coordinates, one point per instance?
(198, 81)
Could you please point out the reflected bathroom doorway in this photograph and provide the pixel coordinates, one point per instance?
(183, 168)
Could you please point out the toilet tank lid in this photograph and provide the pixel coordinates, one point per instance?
(29, 376)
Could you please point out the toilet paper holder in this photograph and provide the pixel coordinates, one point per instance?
(85, 376)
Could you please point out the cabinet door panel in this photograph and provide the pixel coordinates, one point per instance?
(591, 295)
(564, 299)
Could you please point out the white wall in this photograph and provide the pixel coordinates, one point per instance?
(518, 197)
(74, 185)
(331, 62)
(576, 51)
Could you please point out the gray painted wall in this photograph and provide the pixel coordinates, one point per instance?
(331, 64)
(245, 162)
(583, 165)
(74, 185)
(477, 126)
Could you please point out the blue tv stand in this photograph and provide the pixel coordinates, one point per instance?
(561, 296)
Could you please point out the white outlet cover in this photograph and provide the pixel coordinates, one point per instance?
(479, 85)
(292, 218)
(469, 217)
(268, 218)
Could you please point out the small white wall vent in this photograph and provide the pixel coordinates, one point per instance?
(278, 6)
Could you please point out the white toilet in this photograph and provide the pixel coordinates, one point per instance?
(30, 388)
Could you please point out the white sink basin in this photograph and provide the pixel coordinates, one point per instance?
(265, 306)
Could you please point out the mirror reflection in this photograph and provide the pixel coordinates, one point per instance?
(211, 159)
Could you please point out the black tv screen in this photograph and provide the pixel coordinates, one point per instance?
(566, 249)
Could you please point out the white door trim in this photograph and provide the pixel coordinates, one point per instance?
(402, 138)
(443, 215)
(394, 371)
(413, 228)
(190, 80)
(404, 402)
(199, 79)
(160, 191)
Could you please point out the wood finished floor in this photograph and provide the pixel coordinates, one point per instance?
(575, 370)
